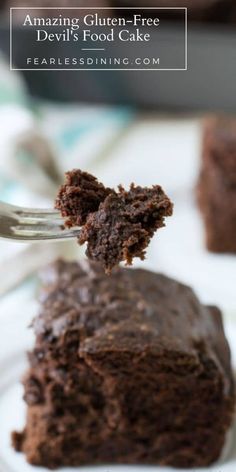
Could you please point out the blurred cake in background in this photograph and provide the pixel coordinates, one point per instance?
(216, 191)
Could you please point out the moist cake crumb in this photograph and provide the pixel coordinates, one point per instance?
(80, 195)
(117, 225)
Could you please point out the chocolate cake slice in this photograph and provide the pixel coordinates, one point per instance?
(216, 190)
(128, 369)
(117, 225)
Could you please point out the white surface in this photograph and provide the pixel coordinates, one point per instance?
(156, 150)
(179, 251)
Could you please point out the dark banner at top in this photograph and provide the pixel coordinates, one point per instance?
(90, 39)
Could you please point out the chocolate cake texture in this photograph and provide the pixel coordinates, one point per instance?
(117, 225)
(216, 190)
(129, 369)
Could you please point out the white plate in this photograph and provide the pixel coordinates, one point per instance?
(179, 251)
(12, 416)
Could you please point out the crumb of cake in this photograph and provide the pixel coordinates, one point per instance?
(79, 196)
(17, 440)
(124, 224)
(116, 225)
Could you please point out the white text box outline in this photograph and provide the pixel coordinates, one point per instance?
(102, 8)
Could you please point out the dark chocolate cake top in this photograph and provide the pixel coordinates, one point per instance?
(132, 310)
(117, 225)
(129, 368)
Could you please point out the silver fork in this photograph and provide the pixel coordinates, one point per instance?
(30, 224)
